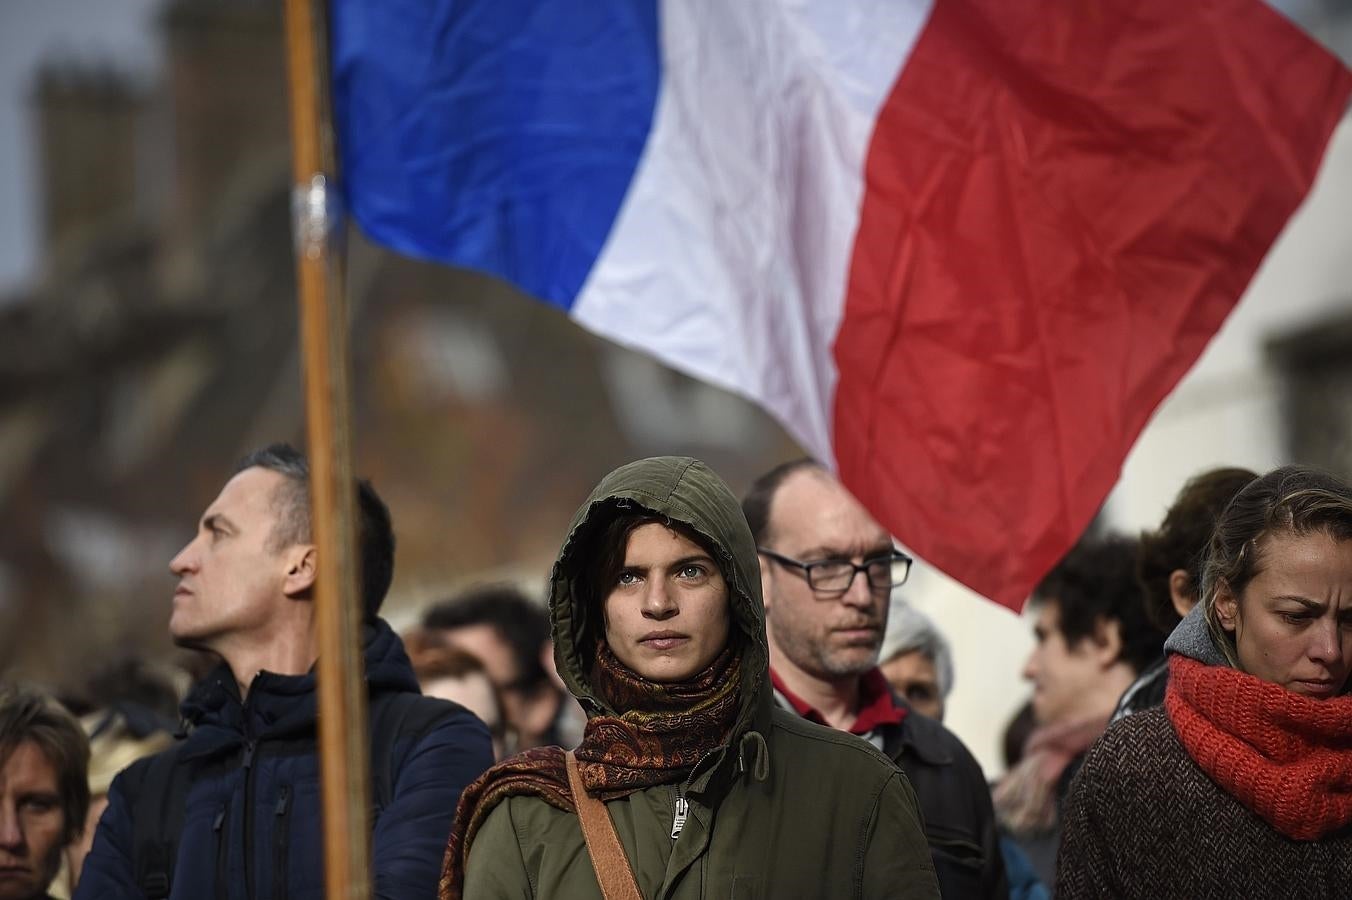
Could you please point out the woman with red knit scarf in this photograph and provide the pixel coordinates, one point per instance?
(688, 782)
(1241, 784)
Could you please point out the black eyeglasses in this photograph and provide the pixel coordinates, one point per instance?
(833, 577)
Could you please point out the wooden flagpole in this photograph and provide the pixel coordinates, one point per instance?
(318, 226)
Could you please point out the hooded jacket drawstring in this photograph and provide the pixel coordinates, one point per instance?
(761, 764)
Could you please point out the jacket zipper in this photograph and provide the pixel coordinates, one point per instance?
(248, 819)
(682, 810)
(280, 840)
(682, 804)
(222, 855)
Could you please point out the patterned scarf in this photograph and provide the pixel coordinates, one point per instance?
(1285, 756)
(662, 733)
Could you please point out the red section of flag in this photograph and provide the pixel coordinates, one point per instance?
(1063, 203)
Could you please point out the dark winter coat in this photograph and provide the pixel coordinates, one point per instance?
(1146, 691)
(251, 821)
(955, 801)
(1144, 821)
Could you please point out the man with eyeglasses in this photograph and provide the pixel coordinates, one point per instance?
(827, 573)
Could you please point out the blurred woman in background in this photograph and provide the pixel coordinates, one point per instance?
(1169, 568)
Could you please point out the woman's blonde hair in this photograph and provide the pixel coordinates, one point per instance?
(1292, 499)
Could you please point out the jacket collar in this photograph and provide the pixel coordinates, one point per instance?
(279, 707)
(878, 705)
(1190, 638)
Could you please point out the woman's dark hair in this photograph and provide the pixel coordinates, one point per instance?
(1181, 540)
(28, 716)
(1293, 499)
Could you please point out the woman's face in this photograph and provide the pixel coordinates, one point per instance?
(1293, 623)
(667, 614)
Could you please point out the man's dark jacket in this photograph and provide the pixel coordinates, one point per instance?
(954, 800)
(251, 816)
(956, 803)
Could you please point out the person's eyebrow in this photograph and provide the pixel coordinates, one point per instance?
(217, 520)
(818, 553)
(1311, 605)
(692, 558)
(822, 554)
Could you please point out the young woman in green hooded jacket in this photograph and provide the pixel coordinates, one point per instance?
(659, 632)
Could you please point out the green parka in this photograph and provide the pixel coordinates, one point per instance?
(784, 809)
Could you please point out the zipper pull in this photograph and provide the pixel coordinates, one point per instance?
(218, 821)
(283, 800)
(248, 754)
(678, 823)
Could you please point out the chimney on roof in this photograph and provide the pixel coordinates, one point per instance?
(226, 76)
(90, 120)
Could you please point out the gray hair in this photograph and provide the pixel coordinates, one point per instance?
(908, 629)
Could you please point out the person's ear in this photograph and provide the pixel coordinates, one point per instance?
(1183, 598)
(1107, 641)
(300, 570)
(1227, 606)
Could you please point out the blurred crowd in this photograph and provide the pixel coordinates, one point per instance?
(1115, 766)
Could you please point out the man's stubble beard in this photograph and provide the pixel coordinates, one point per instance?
(818, 659)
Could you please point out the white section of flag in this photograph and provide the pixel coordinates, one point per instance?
(730, 254)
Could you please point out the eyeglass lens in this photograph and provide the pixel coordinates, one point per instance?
(838, 575)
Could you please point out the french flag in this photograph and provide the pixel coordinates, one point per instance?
(961, 249)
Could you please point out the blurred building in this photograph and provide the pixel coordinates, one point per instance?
(160, 344)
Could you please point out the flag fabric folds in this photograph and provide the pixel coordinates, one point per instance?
(960, 249)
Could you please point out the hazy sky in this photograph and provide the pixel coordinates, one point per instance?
(92, 31)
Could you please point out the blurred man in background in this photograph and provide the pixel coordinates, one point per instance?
(131, 713)
(1093, 639)
(509, 634)
(827, 572)
(449, 673)
(44, 796)
(916, 660)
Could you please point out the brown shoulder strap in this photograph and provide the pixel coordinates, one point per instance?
(603, 844)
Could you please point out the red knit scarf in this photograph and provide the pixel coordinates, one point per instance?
(1283, 755)
(663, 730)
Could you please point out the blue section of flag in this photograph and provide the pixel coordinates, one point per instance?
(500, 135)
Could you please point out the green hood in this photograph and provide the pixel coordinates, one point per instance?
(686, 491)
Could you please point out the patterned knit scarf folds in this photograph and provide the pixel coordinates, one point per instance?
(1285, 756)
(663, 731)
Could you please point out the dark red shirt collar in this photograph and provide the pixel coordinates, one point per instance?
(876, 704)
